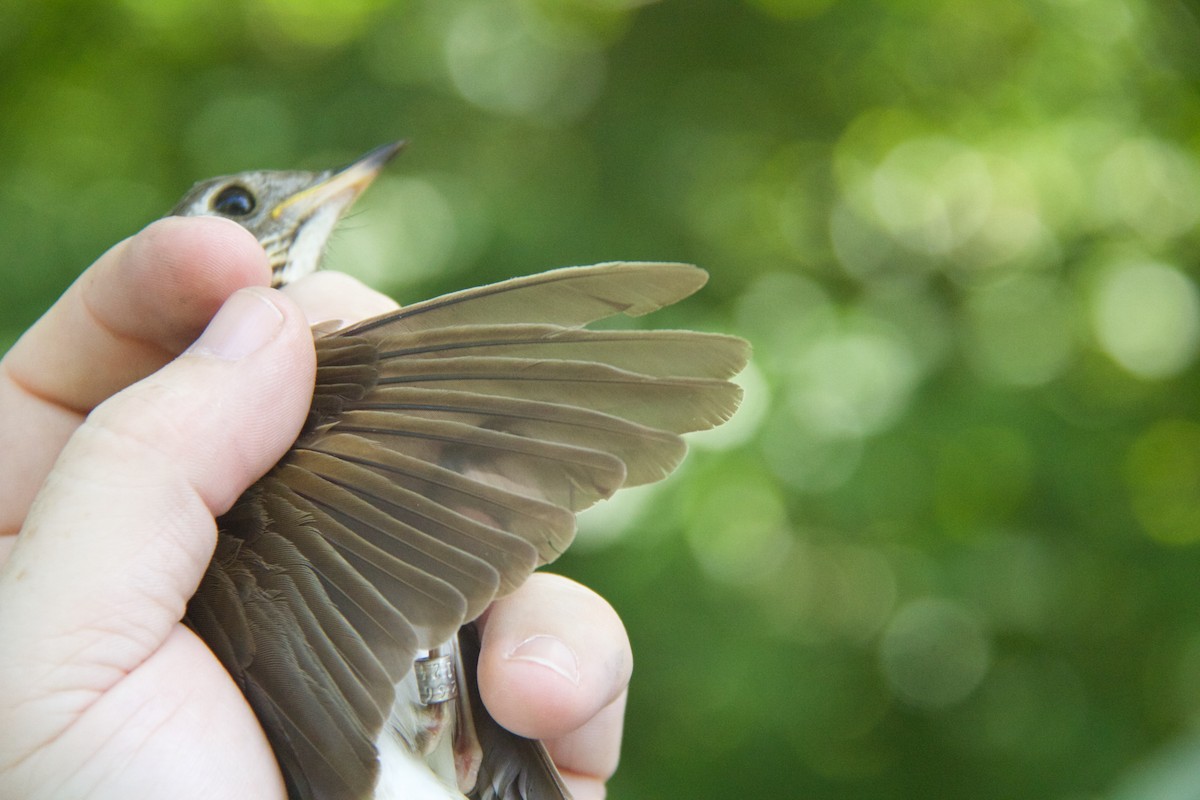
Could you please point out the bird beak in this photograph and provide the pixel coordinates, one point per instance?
(341, 187)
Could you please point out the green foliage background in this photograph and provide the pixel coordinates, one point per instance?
(949, 548)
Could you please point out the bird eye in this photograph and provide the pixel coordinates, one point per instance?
(234, 201)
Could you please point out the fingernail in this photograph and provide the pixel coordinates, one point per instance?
(549, 652)
(246, 322)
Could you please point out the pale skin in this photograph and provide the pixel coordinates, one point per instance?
(120, 441)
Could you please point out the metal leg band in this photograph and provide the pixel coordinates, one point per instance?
(436, 681)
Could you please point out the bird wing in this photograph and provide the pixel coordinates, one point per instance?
(448, 447)
(512, 767)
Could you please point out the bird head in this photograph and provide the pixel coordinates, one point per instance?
(291, 212)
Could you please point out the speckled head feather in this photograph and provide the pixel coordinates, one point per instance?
(290, 212)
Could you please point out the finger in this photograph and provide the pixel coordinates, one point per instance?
(328, 296)
(555, 665)
(588, 757)
(135, 309)
(119, 536)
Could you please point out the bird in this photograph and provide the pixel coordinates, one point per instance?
(448, 448)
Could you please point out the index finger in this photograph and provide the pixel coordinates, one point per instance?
(130, 313)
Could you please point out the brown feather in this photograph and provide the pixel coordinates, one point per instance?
(514, 768)
(447, 447)
(659, 353)
(570, 296)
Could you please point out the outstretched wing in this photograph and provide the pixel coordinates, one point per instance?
(447, 450)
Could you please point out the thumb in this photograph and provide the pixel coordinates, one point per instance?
(122, 529)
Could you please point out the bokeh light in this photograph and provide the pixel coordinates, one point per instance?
(1146, 316)
(934, 653)
(1021, 331)
(931, 194)
(498, 61)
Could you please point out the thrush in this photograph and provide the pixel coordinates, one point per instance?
(447, 450)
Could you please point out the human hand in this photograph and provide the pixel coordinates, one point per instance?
(131, 450)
